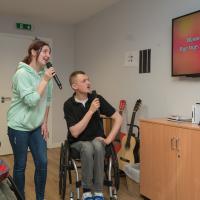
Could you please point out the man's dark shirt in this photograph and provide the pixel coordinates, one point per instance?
(74, 112)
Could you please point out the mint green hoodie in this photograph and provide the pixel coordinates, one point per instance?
(27, 107)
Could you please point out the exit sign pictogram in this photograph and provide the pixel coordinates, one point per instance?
(23, 26)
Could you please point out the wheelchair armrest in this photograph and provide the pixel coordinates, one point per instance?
(110, 151)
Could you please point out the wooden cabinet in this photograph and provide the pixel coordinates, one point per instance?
(170, 161)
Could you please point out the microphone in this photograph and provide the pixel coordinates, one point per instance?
(94, 94)
(55, 76)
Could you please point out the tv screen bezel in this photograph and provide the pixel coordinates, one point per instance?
(177, 75)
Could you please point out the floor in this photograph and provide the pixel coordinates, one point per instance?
(52, 180)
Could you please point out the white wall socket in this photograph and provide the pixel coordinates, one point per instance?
(132, 59)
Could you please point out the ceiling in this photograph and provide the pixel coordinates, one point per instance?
(60, 11)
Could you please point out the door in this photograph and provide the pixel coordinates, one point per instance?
(165, 162)
(193, 168)
(13, 49)
(189, 165)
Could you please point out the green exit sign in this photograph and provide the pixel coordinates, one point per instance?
(23, 26)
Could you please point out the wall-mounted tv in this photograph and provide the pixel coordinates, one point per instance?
(186, 45)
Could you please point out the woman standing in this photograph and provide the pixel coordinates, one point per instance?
(28, 115)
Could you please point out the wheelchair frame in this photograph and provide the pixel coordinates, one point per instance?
(14, 188)
(68, 162)
(6, 176)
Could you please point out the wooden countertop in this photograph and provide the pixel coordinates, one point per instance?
(165, 121)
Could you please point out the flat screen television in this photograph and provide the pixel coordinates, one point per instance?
(186, 45)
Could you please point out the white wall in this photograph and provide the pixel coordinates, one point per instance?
(101, 43)
(63, 60)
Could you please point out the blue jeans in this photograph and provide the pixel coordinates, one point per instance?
(20, 141)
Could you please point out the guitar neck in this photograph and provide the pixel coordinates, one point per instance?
(127, 145)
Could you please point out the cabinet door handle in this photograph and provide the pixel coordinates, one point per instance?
(173, 143)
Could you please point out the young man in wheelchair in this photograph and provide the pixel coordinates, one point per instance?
(82, 113)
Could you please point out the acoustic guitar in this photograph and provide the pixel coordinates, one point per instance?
(120, 135)
(128, 143)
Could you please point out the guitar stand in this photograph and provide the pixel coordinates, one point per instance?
(138, 130)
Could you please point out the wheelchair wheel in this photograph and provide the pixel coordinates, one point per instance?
(64, 179)
(65, 169)
(116, 174)
(111, 168)
(115, 169)
(115, 180)
(61, 168)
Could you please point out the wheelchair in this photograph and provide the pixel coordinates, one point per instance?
(7, 185)
(70, 162)
(8, 189)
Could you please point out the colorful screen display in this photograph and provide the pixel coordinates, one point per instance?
(186, 45)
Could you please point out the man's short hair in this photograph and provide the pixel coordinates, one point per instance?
(73, 76)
